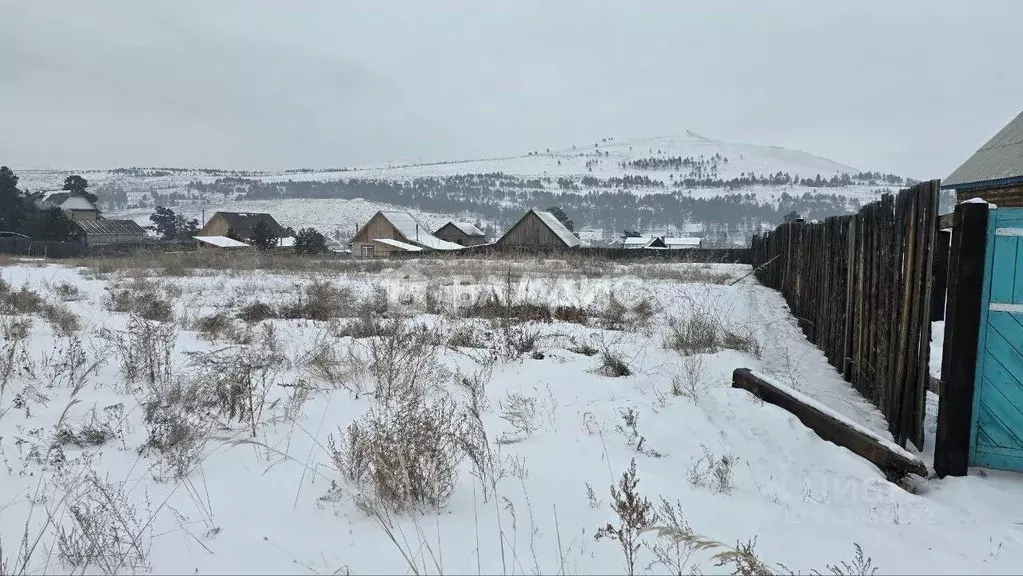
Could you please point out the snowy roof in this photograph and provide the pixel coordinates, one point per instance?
(221, 241)
(558, 228)
(1000, 159)
(398, 244)
(415, 232)
(114, 227)
(243, 223)
(466, 228)
(68, 201)
(682, 241)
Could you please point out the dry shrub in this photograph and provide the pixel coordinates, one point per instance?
(340, 366)
(700, 333)
(404, 361)
(713, 472)
(143, 299)
(24, 300)
(68, 292)
(14, 333)
(143, 350)
(616, 315)
(573, 314)
(103, 530)
(256, 312)
(63, 321)
(519, 411)
(322, 301)
(179, 417)
(405, 453)
(90, 433)
(214, 325)
(613, 364)
(688, 382)
(364, 326)
(466, 336)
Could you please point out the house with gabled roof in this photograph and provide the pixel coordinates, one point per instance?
(995, 172)
(461, 233)
(390, 232)
(538, 229)
(77, 206)
(643, 242)
(239, 225)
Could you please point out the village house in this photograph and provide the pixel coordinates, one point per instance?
(78, 207)
(390, 232)
(239, 225)
(461, 233)
(643, 242)
(102, 232)
(682, 243)
(538, 229)
(995, 172)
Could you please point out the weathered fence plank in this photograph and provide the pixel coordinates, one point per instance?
(860, 287)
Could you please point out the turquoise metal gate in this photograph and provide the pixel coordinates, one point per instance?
(996, 433)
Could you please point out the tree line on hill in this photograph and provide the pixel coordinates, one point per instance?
(608, 204)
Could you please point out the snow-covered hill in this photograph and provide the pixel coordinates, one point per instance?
(689, 166)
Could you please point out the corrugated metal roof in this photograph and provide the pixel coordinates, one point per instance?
(398, 244)
(221, 241)
(117, 227)
(413, 231)
(558, 228)
(1001, 158)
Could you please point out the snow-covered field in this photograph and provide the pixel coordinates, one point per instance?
(199, 442)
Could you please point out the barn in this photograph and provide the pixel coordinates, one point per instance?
(643, 242)
(392, 232)
(538, 229)
(461, 233)
(105, 232)
(239, 225)
(995, 172)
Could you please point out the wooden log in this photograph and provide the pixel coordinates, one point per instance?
(919, 405)
(962, 334)
(894, 462)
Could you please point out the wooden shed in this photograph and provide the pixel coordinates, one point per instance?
(389, 232)
(104, 232)
(995, 172)
(77, 207)
(538, 229)
(461, 233)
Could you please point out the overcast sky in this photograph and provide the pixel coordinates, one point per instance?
(911, 87)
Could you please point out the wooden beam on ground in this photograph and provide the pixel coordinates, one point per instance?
(894, 461)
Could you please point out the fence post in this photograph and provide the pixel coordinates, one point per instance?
(962, 332)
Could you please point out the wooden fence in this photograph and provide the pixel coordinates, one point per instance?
(860, 286)
(40, 248)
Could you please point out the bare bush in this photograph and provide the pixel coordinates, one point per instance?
(214, 325)
(629, 428)
(68, 292)
(143, 350)
(61, 319)
(713, 472)
(143, 299)
(519, 411)
(104, 530)
(688, 381)
(179, 416)
(466, 336)
(256, 312)
(674, 553)
(13, 352)
(24, 300)
(702, 333)
(338, 365)
(612, 361)
(635, 514)
(406, 452)
(321, 301)
(91, 432)
(404, 361)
